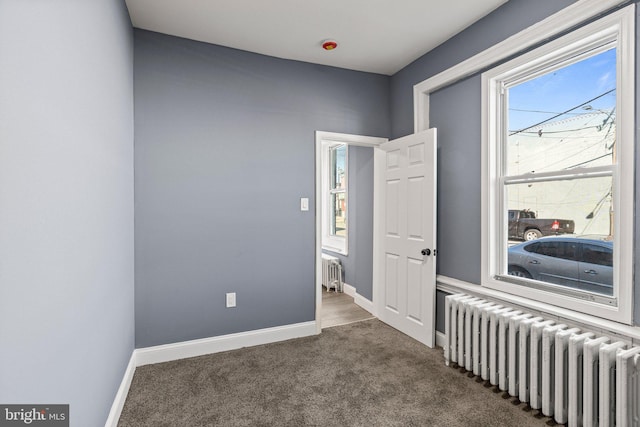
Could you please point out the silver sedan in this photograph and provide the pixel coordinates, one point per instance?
(585, 263)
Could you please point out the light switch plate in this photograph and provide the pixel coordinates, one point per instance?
(304, 204)
(231, 299)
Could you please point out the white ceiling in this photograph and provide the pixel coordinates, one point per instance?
(379, 36)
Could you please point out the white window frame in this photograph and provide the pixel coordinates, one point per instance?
(331, 242)
(619, 28)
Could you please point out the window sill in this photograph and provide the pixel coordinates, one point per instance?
(335, 250)
(594, 324)
(335, 244)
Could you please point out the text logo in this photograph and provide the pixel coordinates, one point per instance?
(34, 415)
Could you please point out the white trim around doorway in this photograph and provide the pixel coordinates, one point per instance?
(323, 138)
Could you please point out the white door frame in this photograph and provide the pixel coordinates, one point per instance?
(356, 140)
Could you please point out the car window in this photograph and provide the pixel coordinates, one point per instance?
(512, 215)
(600, 255)
(533, 247)
(563, 250)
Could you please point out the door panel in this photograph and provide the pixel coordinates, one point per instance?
(408, 192)
(393, 217)
(414, 294)
(596, 269)
(555, 262)
(391, 282)
(596, 278)
(415, 222)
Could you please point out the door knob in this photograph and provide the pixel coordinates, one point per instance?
(426, 252)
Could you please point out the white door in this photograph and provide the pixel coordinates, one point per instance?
(406, 254)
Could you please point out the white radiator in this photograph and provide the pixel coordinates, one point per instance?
(331, 273)
(574, 376)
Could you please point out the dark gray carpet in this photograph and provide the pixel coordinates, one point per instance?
(361, 374)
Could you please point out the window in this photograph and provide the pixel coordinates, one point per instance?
(335, 198)
(338, 190)
(558, 166)
(555, 249)
(597, 255)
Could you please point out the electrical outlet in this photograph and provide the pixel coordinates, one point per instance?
(231, 299)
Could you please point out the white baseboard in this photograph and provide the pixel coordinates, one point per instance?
(441, 339)
(182, 350)
(349, 290)
(365, 303)
(358, 299)
(121, 395)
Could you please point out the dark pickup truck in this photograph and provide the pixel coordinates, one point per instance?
(524, 225)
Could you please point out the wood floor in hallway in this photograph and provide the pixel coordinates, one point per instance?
(338, 308)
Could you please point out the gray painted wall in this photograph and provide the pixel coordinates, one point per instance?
(224, 151)
(66, 192)
(358, 264)
(458, 223)
(455, 111)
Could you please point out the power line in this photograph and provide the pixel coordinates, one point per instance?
(588, 161)
(539, 111)
(560, 131)
(572, 155)
(565, 150)
(564, 112)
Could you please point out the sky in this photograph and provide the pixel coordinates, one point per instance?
(572, 86)
(562, 144)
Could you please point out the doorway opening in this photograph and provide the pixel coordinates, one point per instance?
(344, 224)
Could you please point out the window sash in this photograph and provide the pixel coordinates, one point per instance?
(330, 240)
(578, 173)
(332, 212)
